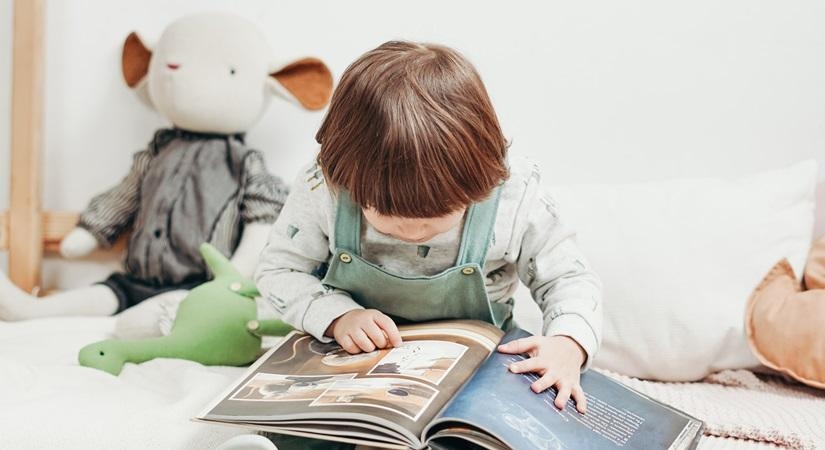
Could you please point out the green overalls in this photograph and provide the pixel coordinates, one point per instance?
(456, 293)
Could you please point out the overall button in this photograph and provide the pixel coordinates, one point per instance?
(345, 258)
(235, 287)
(468, 271)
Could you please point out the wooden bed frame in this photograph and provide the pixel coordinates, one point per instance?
(26, 231)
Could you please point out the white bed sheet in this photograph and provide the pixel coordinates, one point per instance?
(49, 401)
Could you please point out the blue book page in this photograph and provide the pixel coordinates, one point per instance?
(501, 403)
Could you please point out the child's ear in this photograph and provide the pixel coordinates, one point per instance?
(135, 66)
(307, 81)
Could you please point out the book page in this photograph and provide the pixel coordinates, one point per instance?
(399, 388)
(502, 404)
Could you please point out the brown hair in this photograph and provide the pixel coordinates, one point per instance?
(411, 132)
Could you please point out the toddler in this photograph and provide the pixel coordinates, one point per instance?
(412, 211)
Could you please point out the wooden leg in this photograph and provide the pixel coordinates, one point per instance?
(25, 227)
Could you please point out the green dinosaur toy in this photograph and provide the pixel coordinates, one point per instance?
(216, 324)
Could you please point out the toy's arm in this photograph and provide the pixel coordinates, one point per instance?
(264, 194)
(268, 327)
(111, 212)
(263, 198)
(79, 242)
(249, 249)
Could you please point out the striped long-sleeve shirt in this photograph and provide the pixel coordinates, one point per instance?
(185, 189)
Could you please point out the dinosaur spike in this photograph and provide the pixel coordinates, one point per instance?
(219, 264)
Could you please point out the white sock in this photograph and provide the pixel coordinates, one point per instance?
(97, 300)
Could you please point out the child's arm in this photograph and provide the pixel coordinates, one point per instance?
(287, 273)
(569, 295)
(298, 245)
(567, 291)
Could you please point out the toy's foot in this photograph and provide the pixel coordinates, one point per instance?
(248, 442)
(94, 300)
(153, 317)
(12, 299)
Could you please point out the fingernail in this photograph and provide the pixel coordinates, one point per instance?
(513, 367)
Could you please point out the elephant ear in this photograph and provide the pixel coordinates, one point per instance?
(307, 81)
(135, 66)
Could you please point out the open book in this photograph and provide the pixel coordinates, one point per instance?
(445, 387)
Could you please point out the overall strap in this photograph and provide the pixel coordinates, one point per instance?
(478, 230)
(347, 224)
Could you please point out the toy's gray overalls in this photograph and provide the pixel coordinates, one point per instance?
(456, 293)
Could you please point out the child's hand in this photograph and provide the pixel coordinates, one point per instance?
(364, 330)
(557, 359)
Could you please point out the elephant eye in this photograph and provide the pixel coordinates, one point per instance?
(231, 71)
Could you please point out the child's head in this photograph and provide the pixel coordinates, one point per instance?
(411, 134)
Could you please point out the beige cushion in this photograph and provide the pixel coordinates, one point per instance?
(785, 324)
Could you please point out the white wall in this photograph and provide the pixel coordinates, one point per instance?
(596, 91)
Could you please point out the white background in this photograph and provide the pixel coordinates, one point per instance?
(597, 91)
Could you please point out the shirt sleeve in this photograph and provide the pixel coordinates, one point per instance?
(297, 250)
(560, 280)
(111, 212)
(264, 194)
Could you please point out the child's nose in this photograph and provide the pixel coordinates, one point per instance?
(414, 235)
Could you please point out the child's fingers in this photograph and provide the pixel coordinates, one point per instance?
(523, 345)
(362, 340)
(348, 345)
(376, 335)
(562, 396)
(544, 383)
(527, 365)
(390, 328)
(580, 398)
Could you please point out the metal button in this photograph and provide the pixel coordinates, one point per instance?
(235, 287)
(345, 258)
(468, 271)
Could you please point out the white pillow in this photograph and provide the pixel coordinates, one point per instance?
(679, 259)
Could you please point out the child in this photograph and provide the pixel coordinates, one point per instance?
(413, 212)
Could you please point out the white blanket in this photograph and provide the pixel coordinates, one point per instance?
(49, 401)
